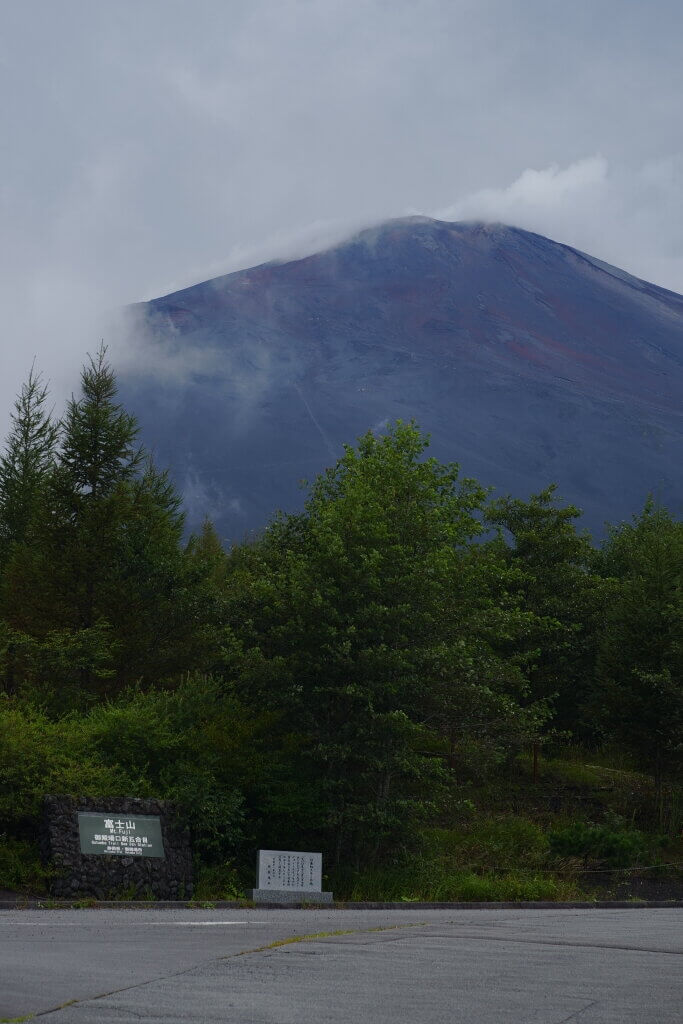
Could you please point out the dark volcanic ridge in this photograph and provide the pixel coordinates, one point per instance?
(527, 361)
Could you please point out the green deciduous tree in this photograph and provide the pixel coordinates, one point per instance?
(367, 627)
(639, 695)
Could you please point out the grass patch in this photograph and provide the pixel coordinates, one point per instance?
(299, 938)
(503, 858)
(429, 884)
(489, 843)
(311, 937)
(589, 775)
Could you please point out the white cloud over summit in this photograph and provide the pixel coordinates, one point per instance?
(630, 217)
(547, 189)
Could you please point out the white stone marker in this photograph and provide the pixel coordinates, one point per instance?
(288, 876)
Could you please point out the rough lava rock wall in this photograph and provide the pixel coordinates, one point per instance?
(106, 877)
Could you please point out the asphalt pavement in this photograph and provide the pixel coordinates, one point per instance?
(95, 966)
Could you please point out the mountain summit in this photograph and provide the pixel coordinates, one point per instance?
(527, 361)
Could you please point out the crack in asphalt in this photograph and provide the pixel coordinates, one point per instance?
(329, 937)
(577, 1013)
(560, 942)
(316, 936)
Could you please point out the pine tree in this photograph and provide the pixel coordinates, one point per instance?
(25, 463)
(102, 595)
(558, 583)
(98, 457)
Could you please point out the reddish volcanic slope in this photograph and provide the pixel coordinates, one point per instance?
(527, 361)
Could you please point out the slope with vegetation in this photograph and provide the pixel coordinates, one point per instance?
(452, 697)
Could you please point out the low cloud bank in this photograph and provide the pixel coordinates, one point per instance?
(630, 217)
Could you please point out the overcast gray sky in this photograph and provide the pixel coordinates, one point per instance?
(149, 144)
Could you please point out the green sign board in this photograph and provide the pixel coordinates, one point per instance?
(122, 835)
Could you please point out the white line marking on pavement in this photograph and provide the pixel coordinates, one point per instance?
(202, 924)
(146, 924)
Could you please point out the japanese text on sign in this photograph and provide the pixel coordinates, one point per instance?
(287, 869)
(132, 836)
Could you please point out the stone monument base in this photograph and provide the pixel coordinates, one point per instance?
(285, 896)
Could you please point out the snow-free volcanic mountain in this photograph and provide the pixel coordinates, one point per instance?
(527, 361)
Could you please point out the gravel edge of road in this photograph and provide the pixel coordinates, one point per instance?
(88, 904)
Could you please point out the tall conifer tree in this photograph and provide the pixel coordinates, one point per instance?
(100, 595)
(28, 456)
(559, 584)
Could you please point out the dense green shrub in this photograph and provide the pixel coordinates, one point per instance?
(183, 745)
(39, 756)
(603, 844)
(219, 882)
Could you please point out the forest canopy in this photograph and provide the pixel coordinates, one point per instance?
(330, 683)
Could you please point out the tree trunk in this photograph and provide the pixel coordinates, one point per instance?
(10, 680)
